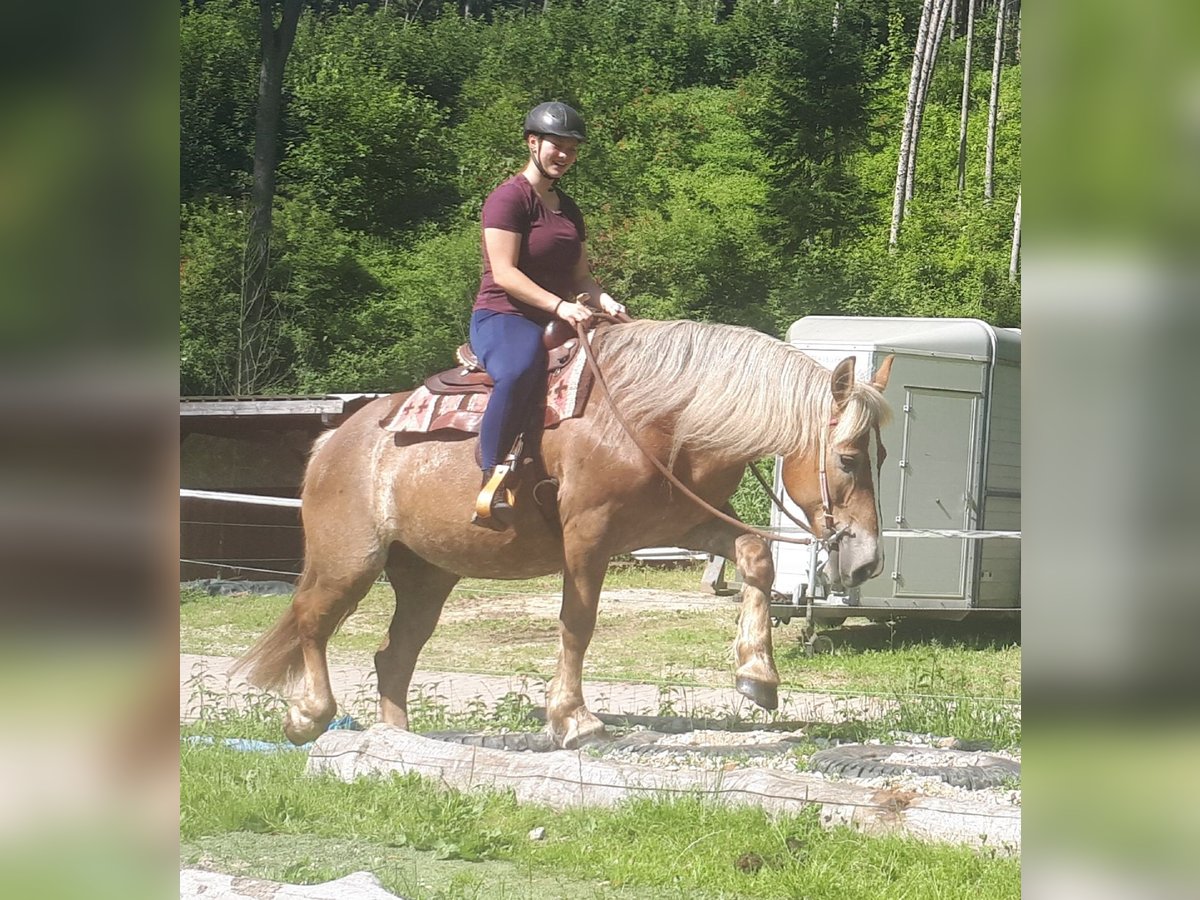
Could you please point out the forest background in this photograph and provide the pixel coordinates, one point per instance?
(740, 167)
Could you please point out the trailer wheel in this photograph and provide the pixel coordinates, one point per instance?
(873, 761)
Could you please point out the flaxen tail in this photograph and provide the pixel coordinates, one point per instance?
(276, 660)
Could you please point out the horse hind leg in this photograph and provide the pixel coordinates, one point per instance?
(295, 648)
(421, 590)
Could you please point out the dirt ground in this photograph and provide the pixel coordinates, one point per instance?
(615, 602)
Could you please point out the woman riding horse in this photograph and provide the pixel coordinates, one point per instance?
(703, 399)
(534, 258)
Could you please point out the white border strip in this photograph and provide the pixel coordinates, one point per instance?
(255, 499)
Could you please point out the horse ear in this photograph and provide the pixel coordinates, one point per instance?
(885, 371)
(843, 381)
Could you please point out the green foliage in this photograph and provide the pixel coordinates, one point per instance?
(751, 503)
(369, 150)
(739, 168)
(212, 238)
(698, 251)
(812, 114)
(368, 138)
(218, 88)
(409, 328)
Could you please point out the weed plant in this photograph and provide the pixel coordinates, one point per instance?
(938, 702)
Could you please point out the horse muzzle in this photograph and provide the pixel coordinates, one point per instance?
(848, 566)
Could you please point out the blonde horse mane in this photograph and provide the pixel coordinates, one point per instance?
(727, 389)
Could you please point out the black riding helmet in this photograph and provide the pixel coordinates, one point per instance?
(557, 119)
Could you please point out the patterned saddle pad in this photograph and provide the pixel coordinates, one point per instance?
(424, 412)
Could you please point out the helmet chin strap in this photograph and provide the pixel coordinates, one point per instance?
(535, 156)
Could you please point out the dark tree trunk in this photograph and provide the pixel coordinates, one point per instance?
(276, 44)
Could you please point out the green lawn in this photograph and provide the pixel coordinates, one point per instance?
(258, 814)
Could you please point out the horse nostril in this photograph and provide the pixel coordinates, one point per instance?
(864, 572)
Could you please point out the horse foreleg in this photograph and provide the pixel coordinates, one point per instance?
(568, 719)
(421, 590)
(755, 676)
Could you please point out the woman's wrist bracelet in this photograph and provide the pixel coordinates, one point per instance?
(557, 305)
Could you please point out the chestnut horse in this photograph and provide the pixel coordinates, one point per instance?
(707, 399)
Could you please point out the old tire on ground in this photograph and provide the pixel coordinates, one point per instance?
(872, 761)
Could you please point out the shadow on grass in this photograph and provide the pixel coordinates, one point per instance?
(972, 633)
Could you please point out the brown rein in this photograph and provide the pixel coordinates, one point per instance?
(589, 359)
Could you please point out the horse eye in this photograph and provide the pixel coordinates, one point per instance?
(847, 461)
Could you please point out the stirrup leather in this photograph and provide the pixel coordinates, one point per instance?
(483, 503)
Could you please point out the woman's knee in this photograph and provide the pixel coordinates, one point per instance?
(517, 363)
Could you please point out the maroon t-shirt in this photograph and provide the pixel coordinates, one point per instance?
(550, 245)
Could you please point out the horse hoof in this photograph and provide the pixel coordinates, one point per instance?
(577, 735)
(764, 695)
(299, 728)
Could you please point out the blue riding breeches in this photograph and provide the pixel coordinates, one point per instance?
(510, 348)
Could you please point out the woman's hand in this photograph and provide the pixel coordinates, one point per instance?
(573, 312)
(611, 306)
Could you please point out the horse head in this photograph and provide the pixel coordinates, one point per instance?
(837, 489)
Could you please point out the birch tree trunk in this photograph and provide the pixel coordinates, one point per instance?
(933, 43)
(966, 100)
(906, 134)
(276, 44)
(1018, 47)
(1016, 241)
(994, 103)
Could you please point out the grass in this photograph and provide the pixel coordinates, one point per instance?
(258, 814)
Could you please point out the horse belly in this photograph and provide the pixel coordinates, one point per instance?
(429, 510)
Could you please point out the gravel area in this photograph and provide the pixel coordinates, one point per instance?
(790, 752)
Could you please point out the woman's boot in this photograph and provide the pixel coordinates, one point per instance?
(493, 507)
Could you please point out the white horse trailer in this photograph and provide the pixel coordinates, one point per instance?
(950, 488)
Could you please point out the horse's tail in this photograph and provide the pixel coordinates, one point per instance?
(276, 660)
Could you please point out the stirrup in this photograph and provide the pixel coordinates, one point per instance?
(488, 494)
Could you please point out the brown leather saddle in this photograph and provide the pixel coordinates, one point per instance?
(470, 377)
(457, 405)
